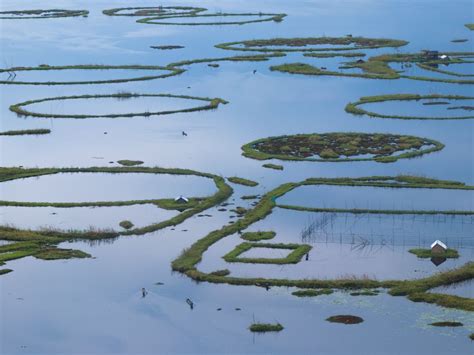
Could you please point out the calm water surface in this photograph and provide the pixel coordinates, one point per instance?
(94, 306)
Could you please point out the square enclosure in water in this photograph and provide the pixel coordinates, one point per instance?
(294, 255)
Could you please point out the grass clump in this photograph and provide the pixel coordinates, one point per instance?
(56, 254)
(223, 272)
(242, 181)
(129, 162)
(25, 132)
(126, 224)
(312, 293)
(298, 251)
(249, 197)
(427, 253)
(447, 324)
(273, 166)
(265, 327)
(257, 236)
(345, 319)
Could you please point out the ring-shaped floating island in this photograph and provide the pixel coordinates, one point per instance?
(153, 11)
(227, 19)
(341, 147)
(416, 289)
(301, 44)
(27, 242)
(378, 67)
(212, 103)
(354, 107)
(169, 71)
(40, 14)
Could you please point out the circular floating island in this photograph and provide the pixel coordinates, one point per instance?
(340, 147)
(354, 107)
(12, 72)
(195, 19)
(212, 103)
(302, 44)
(36, 14)
(153, 11)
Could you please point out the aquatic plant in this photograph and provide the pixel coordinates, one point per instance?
(126, 162)
(257, 236)
(345, 319)
(126, 224)
(242, 181)
(447, 324)
(312, 293)
(265, 327)
(273, 166)
(26, 132)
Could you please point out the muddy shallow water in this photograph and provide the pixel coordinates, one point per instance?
(95, 305)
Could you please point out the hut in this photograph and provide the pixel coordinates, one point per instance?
(360, 61)
(438, 248)
(181, 199)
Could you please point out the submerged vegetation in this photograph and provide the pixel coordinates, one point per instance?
(242, 181)
(18, 108)
(302, 44)
(26, 132)
(265, 327)
(354, 108)
(340, 147)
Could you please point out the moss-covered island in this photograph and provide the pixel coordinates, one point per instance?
(345, 319)
(257, 236)
(212, 103)
(242, 181)
(341, 147)
(310, 44)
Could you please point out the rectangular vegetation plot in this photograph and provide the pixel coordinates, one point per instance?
(379, 198)
(294, 253)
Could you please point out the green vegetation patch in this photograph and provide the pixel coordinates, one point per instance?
(340, 147)
(378, 67)
(345, 319)
(30, 242)
(265, 327)
(302, 44)
(273, 166)
(447, 324)
(298, 251)
(26, 132)
(427, 253)
(57, 253)
(365, 293)
(194, 19)
(334, 55)
(126, 162)
(312, 293)
(416, 290)
(126, 224)
(223, 272)
(5, 271)
(169, 71)
(354, 107)
(470, 26)
(212, 103)
(242, 181)
(471, 336)
(38, 14)
(257, 236)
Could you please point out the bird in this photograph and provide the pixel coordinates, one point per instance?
(184, 133)
(254, 71)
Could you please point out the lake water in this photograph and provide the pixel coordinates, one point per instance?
(95, 305)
